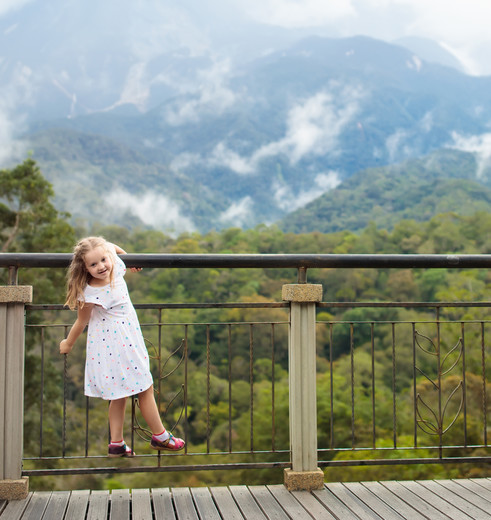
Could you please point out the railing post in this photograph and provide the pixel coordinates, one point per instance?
(12, 316)
(304, 473)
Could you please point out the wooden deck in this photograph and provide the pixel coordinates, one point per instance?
(391, 500)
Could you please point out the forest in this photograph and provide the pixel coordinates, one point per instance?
(29, 222)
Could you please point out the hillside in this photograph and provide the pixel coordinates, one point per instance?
(418, 189)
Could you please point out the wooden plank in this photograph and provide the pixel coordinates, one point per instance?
(3, 505)
(225, 503)
(483, 482)
(98, 505)
(162, 504)
(373, 502)
(246, 503)
(77, 505)
(184, 504)
(453, 497)
(292, 507)
(204, 504)
(410, 498)
(436, 501)
(475, 488)
(337, 507)
(351, 502)
(15, 508)
(120, 504)
(141, 505)
(37, 505)
(392, 500)
(268, 503)
(57, 504)
(455, 486)
(314, 506)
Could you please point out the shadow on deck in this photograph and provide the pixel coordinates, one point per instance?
(391, 500)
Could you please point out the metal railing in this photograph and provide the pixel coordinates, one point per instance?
(407, 384)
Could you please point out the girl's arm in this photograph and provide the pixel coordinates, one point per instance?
(83, 317)
(120, 251)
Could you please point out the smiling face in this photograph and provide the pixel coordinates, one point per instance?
(99, 265)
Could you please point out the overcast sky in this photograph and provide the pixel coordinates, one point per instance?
(461, 26)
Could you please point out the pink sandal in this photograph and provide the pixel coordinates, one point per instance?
(120, 451)
(177, 445)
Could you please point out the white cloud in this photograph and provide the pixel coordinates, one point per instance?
(239, 213)
(11, 5)
(213, 96)
(480, 145)
(223, 156)
(288, 200)
(152, 209)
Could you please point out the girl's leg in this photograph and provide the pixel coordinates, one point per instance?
(150, 412)
(117, 409)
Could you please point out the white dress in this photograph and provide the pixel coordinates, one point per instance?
(117, 363)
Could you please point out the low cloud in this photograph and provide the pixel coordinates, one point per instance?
(239, 213)
(313, 128)
(153, 209)
(288, 200)
(480, 145)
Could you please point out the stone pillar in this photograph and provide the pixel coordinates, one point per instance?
(304, 473)
(12, 317)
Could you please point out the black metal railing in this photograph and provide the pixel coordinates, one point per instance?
(397, 382)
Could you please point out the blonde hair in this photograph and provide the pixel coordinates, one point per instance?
(78, 277)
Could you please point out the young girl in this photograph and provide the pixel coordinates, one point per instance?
(117, 364)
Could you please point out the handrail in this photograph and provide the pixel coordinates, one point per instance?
(299, 261)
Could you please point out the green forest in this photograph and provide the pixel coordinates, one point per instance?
(29, 222)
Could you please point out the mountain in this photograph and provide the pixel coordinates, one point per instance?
(418, 189)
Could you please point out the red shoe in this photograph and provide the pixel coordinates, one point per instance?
(177, 445)
(120, 451)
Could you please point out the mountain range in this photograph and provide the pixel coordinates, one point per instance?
(189, 140)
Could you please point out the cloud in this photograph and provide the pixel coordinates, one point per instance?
(313, 127)
(480, 145)
(152, 209)
(213, 96)
(238, 213)
(11, 5)
(288, 200)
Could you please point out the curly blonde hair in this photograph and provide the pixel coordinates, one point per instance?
(78, 277)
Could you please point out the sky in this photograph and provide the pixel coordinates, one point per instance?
(460, 26)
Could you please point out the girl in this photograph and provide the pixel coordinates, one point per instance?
(117, 363)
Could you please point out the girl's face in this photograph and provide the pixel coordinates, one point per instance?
(99, 265)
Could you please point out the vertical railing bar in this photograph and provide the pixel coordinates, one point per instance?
(207, 388)
(438, 357)
(230, 388)
(484, 393)
(394, 400)
(159, 364)
(273, 407)
(41, 407)
(13, 275)
(186, 356)
(86, 426)
(133, 422)
(352, 359)
(415, 389)
(372, 342)
(331, 383)
(65, 391)
(464, 388)
(251, 383)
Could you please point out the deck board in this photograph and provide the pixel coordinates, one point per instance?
(457, 499)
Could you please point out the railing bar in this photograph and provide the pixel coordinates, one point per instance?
(65, 391)
(464, 387)
(372, 348)
(41, 403)
(352, 361)
(438, 357)
(394, 403)
(415, 396)
(186, 381)
(484, 391)
(229, 348)
(159, 382)
(251, 384)
(169, 306)
(331, 384)
(87, 426)
(273, 408)
(208, 389)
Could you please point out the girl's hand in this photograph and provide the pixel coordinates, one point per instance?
(135, 269)
(65, 347)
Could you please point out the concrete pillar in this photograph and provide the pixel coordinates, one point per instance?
(304, 473)
(12, 322)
